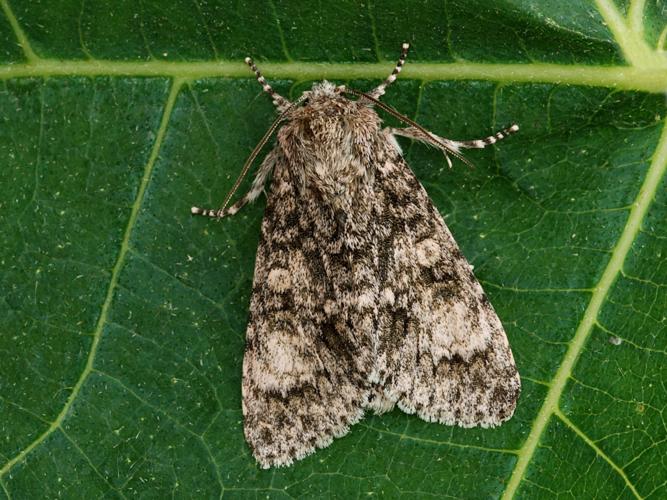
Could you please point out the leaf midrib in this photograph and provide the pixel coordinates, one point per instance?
(647, 72)
(621, 77)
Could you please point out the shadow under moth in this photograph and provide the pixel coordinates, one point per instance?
(361, 298)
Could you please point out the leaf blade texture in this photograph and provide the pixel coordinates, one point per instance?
(123, 317)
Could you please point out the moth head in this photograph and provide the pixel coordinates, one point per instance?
(329, 142)
(325, 129)
(323, 91)
(325, 114)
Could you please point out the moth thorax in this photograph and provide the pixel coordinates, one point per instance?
(339, 179)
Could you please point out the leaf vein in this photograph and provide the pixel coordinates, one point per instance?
(644, 199)
(598, 451)
(630, 342)
(106, 306)
(29, 54)
(171, 418)
(5, 490)
(440, 443)
(634, 48)
(281, 35)
(90, 463)
(195, 369)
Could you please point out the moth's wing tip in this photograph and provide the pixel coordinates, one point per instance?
(492, 416)
(284, 455)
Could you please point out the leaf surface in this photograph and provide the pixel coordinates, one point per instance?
(123, 317)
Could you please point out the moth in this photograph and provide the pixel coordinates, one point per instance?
(361, 298)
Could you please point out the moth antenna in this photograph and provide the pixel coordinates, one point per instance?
(487, 141)
(223, 210)
(378, 91)
(447, 148)
(278, 101)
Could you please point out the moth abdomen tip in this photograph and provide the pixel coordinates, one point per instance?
(514, 128)
(248, 60)
(405, 46)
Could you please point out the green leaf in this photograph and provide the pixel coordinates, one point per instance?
(123, 317)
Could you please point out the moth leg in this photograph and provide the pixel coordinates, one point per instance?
(278, 101)
(378, 91)
(253, 193)
(449, 146)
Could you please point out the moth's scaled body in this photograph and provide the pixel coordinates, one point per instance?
(361, 298)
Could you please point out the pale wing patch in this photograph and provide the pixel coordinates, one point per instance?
(428, 252)
(450, 331)
(387, 297)
(279, 280)
(287, 359)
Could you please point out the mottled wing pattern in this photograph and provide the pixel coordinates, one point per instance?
(305, 366)
(442, 351)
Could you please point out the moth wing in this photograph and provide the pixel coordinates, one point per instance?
(442, 352)
(302, 381)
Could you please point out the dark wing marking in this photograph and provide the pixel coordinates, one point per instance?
(442, 351)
